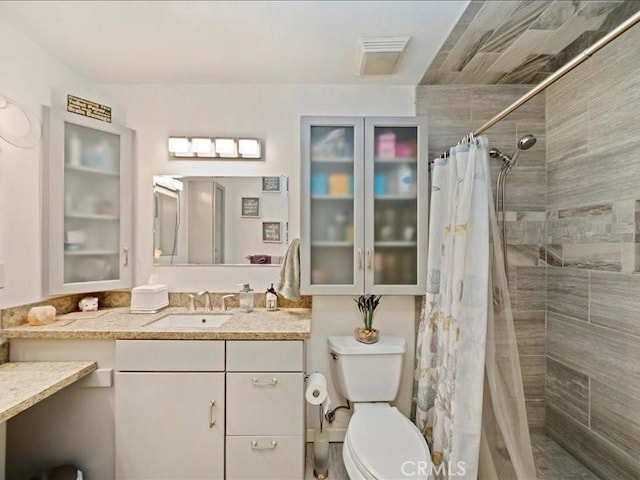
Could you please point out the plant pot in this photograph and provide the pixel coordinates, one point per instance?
(365, 335)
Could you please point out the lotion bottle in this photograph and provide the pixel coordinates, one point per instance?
(405, 179)
(271, 299)
(246, 297)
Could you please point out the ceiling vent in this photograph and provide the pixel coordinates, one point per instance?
(380, 56)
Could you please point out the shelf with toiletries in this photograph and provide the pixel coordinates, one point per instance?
(363, 219)
(90, 216)
(90, 253)
(89, 166)
(395, 160)
(335, 160)
(328, 243)
(332, 197)
(395, 243)
(397, 196)
(90, 170)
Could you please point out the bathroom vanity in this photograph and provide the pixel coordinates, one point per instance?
(169, 402)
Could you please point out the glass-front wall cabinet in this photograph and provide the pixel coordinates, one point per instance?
(89, 202)
(365, 189)
(333, 180)
(395, 205)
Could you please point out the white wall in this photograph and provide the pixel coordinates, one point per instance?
(333, 315)
(34, 78)
(271, 113)
(243, 236)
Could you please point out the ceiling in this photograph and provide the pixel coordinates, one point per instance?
(199, 42)
(522, 41)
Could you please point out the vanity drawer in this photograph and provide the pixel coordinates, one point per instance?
(170, 355)
(265, 403)
(265, 356)
(268, 457)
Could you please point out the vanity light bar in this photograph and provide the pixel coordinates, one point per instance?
(221, 147)
(249, 148)
(226, 147)
(180, 146)
(169, 182)
(203, 147)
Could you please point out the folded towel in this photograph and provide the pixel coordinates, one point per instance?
(259, 259)
(289, 279)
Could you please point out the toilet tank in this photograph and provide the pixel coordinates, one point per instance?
(367, 373)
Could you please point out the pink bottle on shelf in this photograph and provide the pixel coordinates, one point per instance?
(405, 150)
(386, 146)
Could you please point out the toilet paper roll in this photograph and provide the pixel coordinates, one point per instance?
(317, 392)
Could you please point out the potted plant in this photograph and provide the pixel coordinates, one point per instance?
(367, 305)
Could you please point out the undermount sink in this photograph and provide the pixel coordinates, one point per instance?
(191, 320)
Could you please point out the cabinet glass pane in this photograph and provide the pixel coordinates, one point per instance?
(332, 205)
(395, 205)
(91, 205)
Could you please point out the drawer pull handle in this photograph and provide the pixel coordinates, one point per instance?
(255, 446)
(263, 383)
(212, 418)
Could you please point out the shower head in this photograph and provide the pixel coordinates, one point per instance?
(526, 142)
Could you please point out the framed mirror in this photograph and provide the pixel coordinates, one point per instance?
(202, 220)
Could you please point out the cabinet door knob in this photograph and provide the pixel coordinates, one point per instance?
(359, 255)
(125, 254)
(212, 417)
(255, 446)
(368, 258)
(263, 383)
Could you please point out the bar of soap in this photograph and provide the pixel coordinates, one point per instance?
(41, 315)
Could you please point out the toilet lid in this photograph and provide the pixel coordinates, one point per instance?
(382, 440)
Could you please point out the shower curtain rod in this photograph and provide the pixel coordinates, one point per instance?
(577, 60)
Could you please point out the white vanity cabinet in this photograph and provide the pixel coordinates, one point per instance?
(176, 418)
(265, 410)
(87, 204)
(364, 193)
(170, 409)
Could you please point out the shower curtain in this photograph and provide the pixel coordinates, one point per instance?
(469, 399)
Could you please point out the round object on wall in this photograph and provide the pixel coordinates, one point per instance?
(18, 124)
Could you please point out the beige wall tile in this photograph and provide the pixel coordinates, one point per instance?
(615, 415)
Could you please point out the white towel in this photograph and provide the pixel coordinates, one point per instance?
(289, 279)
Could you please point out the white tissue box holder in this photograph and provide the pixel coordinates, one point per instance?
(149, 298)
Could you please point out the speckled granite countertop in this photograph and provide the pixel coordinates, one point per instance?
(118, 323)
(24, 384)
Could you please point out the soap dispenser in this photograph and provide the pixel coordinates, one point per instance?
(271, 299)
(246, 298)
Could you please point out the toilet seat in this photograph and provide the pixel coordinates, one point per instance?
(380, 440)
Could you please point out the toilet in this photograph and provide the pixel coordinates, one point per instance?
(380, 443)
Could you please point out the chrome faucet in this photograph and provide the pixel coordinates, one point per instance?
(223, 305)
(192, 302)
(207, 300)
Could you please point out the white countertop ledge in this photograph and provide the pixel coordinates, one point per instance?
(23, 384)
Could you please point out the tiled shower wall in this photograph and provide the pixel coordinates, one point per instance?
(593, 296)
(453, 111)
